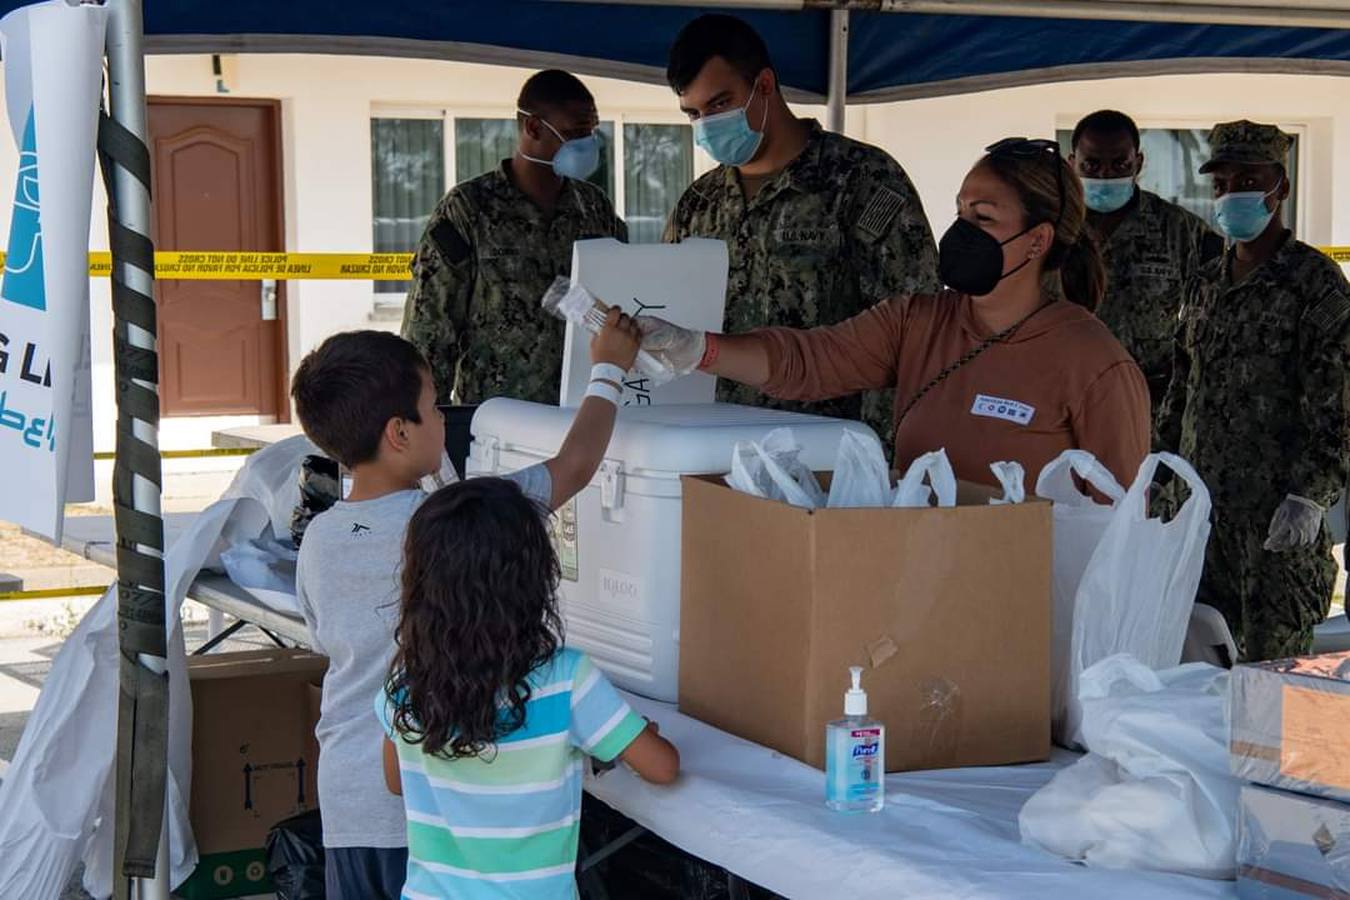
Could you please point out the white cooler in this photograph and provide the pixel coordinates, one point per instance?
(619, 539)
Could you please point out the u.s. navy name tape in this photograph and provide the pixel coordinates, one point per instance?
(204, 265)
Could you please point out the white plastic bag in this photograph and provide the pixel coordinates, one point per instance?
(771, 469)
(1013, 479)
(861, 475)
(1079, 522)
(937, 470)
(1139, 586)
(1155, 791)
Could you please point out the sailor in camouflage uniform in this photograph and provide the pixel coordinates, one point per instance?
(493, 246)
(1151, 247)
(1258, 401)
(818, 226)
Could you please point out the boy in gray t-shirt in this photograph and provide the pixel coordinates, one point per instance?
(367, 399)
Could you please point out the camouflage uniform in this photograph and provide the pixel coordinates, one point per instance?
(1258, 405)
(1149, 257)
(486, 257)
(838, 230)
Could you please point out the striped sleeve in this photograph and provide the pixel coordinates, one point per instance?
(602, 725)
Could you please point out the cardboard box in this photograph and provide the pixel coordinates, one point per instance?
(1291, 724)
(948, 610)
(254, 761)
(1292, 847)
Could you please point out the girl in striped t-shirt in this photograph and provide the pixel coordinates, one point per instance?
(487, 717)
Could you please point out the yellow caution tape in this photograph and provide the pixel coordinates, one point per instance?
(189, 454)
(48, 593)
(194, 265)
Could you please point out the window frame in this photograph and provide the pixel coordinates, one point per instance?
(449, 114)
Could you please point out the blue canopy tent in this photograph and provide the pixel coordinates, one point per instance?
(834, 50)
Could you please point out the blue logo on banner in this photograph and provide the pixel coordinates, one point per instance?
(24, 283)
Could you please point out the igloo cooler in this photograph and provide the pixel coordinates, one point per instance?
(618, 540)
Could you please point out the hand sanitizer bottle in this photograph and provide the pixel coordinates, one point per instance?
(855, 755)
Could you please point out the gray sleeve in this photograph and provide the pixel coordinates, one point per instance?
(302, 600)
(536, 483)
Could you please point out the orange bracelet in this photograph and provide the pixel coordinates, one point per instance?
(710, 351)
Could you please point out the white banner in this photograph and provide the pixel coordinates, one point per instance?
(53, 60)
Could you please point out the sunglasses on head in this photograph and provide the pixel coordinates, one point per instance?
(1028, 148)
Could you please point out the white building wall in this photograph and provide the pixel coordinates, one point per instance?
(327, 102)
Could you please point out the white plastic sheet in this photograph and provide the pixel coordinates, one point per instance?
(56, 801)
(1155, 791)
(948, 834)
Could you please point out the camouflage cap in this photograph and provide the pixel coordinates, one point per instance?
(1246, 142)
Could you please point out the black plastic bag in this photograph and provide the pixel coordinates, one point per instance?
(295, 857)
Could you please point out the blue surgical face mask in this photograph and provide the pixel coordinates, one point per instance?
(1106, 195)
(1243, 216)
(728, 138)
(576, 158)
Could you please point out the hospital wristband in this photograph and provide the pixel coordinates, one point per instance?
(605, 390)
(608, 372)
(711, 347)
(606, 382)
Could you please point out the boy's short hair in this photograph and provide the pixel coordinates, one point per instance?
(349, 388)
(715, 34)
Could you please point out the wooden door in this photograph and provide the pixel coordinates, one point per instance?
(217, 186)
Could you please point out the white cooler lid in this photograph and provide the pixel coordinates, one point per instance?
(689, 438)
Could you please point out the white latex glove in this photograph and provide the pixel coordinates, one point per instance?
(678, 347)
(1295, 524)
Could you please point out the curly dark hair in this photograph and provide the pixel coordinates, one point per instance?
(479, 613)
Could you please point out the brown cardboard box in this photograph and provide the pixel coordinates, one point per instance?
(254, 758)
(948, 610)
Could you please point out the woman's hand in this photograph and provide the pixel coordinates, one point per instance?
(680, 348)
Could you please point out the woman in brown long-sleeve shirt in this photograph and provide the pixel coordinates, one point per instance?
(997, 368)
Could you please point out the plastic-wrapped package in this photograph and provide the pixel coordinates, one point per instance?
(1291, 846)
(861, 476)
(933, 468)
(1291, 724)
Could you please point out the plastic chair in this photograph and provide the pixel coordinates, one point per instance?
(1208, 639)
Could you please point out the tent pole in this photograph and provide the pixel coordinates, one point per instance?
(140, 860)
(838, 89)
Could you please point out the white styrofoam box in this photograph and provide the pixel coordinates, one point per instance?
(685, 283)
(619, 539)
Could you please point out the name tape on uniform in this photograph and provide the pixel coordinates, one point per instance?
(200, 265)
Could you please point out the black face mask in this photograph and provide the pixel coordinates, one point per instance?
(970, 259)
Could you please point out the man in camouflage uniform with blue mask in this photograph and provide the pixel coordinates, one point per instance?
(1258, 401)
(1150, 246)
(495, 243)
(818, 226)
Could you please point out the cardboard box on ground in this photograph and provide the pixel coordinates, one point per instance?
(254, 761)
(948, 610)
